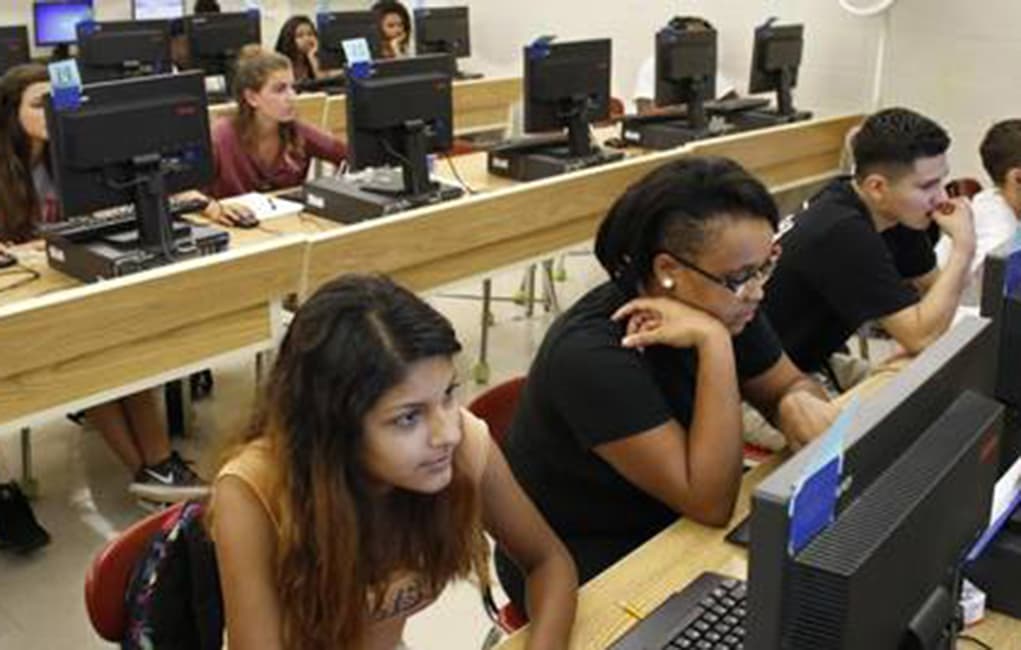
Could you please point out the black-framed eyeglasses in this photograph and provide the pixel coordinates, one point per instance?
(737, 283)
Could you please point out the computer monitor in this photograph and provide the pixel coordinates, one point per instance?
(568, 85)
(399, 114)
(686, 71)
(157, 9)
(335, 27)
(886, 573)
(776, 57)
(442, 30)
(887, 424)
(130, 48)
(106, 152)
(214, 40)
(13, 47)
(1001, 301)
(56, 20)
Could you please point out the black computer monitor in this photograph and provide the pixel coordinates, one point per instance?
(399, 114)
(13, 47)
(214, 40)
(106, 152)
(886, 573)
(567, 85)
(887, 424)
(119, 49)
(686, 70)
(442, 30)
(335, 27)
(776, 57)
(1001, 301)
(157, 9)
(56, 20)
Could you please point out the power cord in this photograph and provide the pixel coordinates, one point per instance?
(31, 276)
(453, 168)
(979, 642)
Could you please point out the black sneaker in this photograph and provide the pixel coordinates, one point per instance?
(168, 481)
(19, 529)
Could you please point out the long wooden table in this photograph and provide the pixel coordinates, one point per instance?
(67, 346)
(676, 556)
(436, 245)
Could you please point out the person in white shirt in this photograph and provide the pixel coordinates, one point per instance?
(996, 210)
(643, 98)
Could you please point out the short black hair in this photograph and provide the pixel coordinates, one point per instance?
(1001, 149)
(893, 139)
(207, 7)
(671, 208)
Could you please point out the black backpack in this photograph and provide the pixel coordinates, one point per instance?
(173, 600)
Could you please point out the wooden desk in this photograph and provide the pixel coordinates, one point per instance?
(436, 245)
(479, 105)
(68, 346)
(675, 557)
(65, 346)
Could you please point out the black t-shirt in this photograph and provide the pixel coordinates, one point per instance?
(837, 272)
(584, 389)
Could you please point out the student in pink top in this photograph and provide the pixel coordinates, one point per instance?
(361, 488)
(264, 147)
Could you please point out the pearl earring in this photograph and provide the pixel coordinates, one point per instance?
(667, 283)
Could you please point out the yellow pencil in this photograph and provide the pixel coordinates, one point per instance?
(630, 610)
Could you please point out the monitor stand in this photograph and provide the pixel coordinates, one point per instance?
(370, 194)
(530, 159)
(761, 119)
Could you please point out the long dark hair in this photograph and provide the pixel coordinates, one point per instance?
(352, 341)
(670, 208)
(19, 205)
(384, 7)
(286, 45)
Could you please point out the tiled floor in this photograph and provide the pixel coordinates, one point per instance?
(83, 497)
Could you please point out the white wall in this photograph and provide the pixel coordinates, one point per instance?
(955, 61)
(947, 58)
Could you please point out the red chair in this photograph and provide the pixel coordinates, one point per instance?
(108, 576)
(496, 406)
(966, 187)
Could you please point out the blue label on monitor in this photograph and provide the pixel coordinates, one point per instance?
(539, 48)
(1012, 274)
(66, 85)
(813, 505)
(88, 27)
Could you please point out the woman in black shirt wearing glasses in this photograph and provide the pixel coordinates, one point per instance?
(631, 415)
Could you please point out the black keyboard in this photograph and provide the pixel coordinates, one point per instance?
(708, 614)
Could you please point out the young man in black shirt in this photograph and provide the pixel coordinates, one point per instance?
(631, 414)
(860, 251)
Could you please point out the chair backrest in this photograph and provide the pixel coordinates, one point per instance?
(108, 576)
(966, 187)
(497, 405)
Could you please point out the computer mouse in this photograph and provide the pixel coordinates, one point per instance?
(246, 220)
(7, 260)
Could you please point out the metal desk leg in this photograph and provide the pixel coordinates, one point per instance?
(28, 482)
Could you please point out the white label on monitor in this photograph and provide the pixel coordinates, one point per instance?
(500, 163)
(356, 50)
(632, 136)
(315, 201)
(216, 84)
(55, 254)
